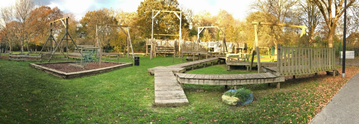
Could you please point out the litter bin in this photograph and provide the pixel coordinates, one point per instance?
(137, 61)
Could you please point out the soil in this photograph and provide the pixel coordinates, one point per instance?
(65, 67)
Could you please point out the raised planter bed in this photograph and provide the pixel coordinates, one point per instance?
(63, 70)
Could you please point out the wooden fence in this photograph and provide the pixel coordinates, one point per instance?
(24, 57)
(300, 61)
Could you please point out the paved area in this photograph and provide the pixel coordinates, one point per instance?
(344, 107)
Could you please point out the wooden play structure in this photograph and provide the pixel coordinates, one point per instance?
(126, 30)
(161, 47)
(85, 55)
(290, 62)
(154, 48)
(52, 55)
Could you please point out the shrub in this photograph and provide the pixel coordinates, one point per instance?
(242, 94)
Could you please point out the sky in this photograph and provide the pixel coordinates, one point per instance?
(238, 8)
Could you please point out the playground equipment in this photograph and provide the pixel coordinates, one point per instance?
(126, 30)
(85, 55)
(256, 24)
(52, 40)
(224, 45)
(290, 62)
(153, 40)
(164, 47)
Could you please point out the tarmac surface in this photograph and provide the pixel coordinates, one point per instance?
(344, 106)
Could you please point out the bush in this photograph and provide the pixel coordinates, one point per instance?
(242, 94)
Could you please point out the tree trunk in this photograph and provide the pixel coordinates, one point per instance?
(330, 37)
(27, 46)
(10, 47)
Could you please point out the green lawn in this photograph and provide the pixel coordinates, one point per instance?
(126, 96)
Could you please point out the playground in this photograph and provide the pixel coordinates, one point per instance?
(178, 81)
(42, 97)
(93, 71)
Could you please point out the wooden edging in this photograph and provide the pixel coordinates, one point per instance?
(65, 75)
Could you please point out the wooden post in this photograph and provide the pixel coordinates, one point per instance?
(279, 59)
(250, 69)
(278, 85)
(99, 63)
(146, 47)
(151, 52)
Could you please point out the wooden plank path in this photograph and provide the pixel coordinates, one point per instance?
(167, 91)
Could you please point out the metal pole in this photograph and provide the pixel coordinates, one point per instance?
(344, 36)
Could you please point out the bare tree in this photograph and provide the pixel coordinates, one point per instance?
(327, 9)
(311, 17)
(22, 12)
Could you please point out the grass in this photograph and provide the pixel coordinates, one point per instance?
(126, 96)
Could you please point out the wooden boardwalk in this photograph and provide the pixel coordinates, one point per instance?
(228, 79)
(168, 92)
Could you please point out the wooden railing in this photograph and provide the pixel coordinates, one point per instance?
(300, 61)
(240, 57)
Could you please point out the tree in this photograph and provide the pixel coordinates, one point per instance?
(267, 35)
(164, 23)
(226, 21)
(280, 10)
(127, 19)
(311, 17)
(105, 23)
(22, 12)
(327, 9)
(5, 18)
(38, 24)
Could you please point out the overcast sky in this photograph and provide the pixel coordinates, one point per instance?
(238, 8)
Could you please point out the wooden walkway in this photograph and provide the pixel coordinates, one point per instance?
(168, 92)
(228, 79)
